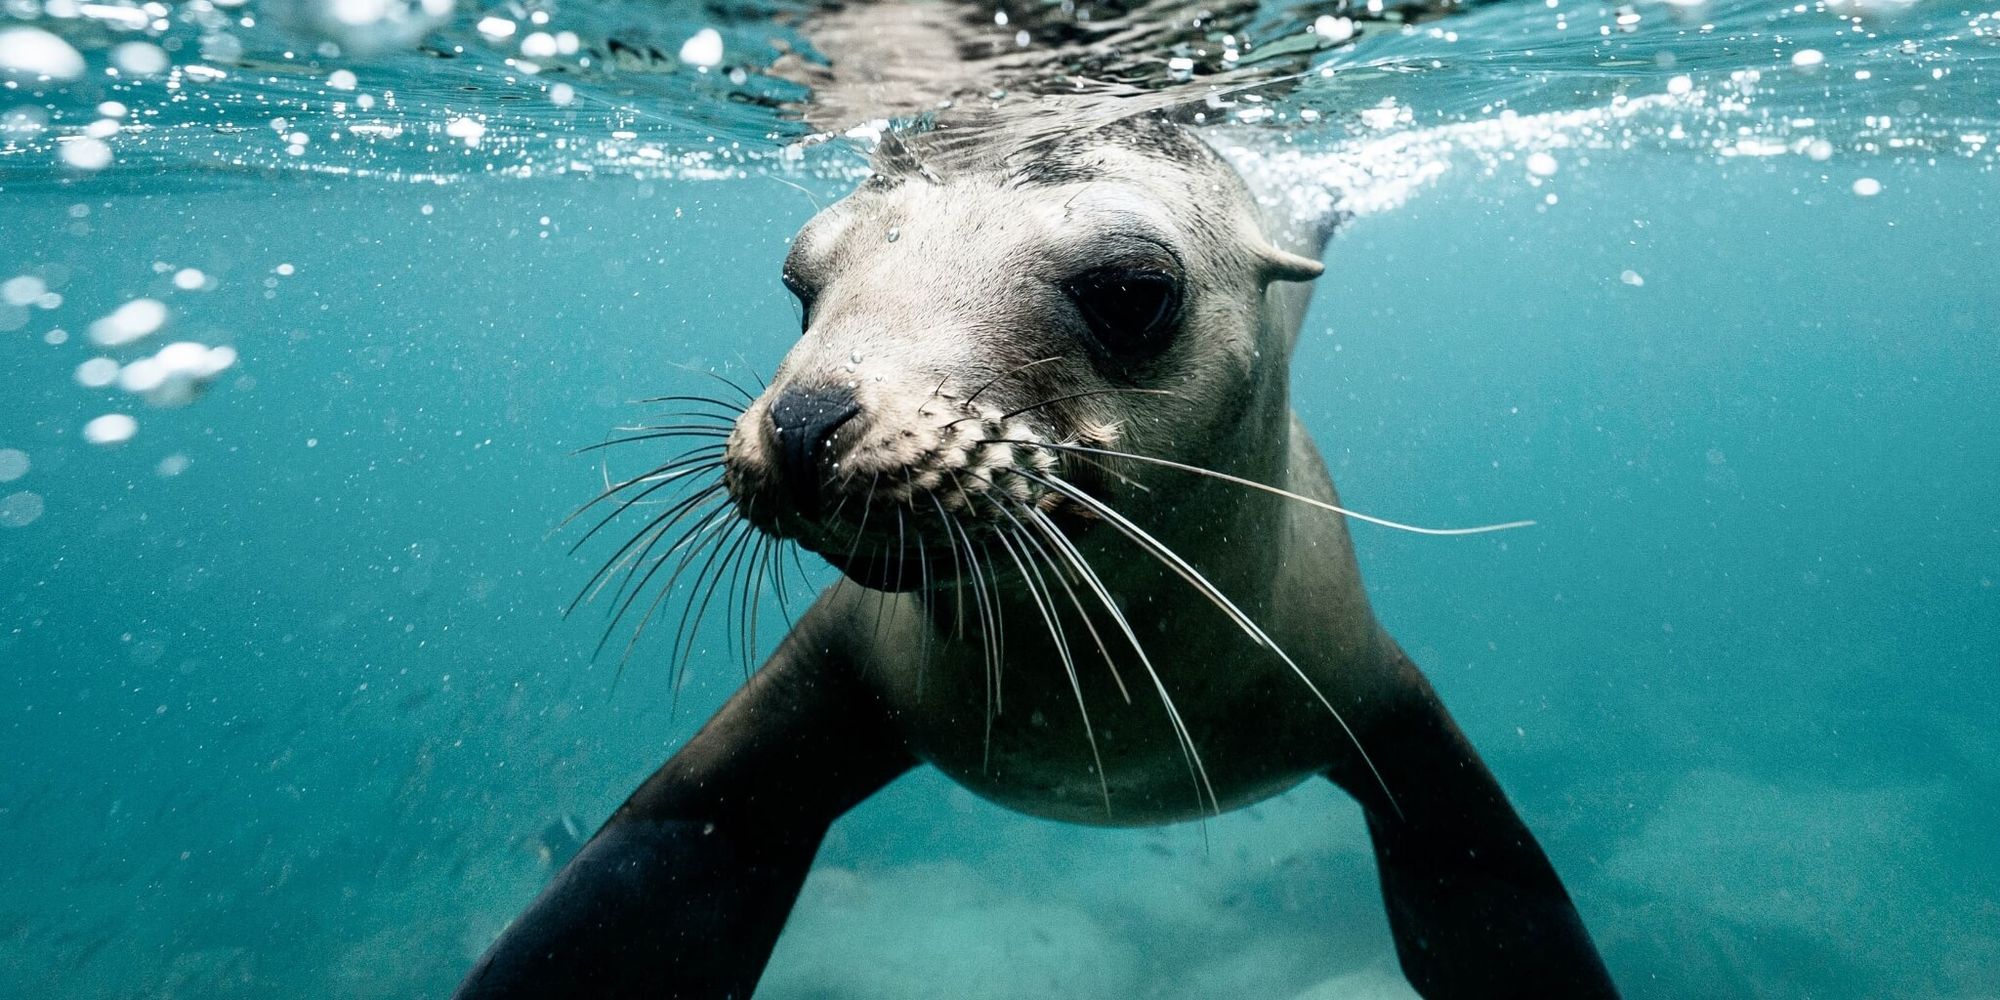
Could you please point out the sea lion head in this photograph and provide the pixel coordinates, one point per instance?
(976, 302)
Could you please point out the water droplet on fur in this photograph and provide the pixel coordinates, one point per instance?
(894, 234)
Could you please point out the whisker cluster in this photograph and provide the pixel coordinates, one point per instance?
(702, 534)
(698, 531)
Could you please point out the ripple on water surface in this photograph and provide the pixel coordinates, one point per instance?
(422, 91)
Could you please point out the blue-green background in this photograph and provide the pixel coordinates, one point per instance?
(291, 722)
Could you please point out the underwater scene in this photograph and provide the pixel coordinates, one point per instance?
(317, 318)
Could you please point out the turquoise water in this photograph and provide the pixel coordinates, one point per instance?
(289, 706)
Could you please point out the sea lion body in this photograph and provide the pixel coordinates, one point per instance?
(975, 255)
(1014, 354)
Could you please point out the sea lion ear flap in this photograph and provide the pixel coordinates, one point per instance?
(1281, 266)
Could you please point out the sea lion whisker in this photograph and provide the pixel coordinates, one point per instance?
(1172, 560)
(743, 580)
(1044, 600)
(706, 513)
(1159, 550)
(730, 410)
(712, 452)
(928, 400)
(993, 636)
(1089, 626)
(693, 462)
(717, 543)
(623, 569)
(929, 602)
(710, 459)
(682, 632)
(684, 420)
(799, 563)
(999, 631)
(752, 577)
(748, 397)
(1197, 771)
(660, 478)
(1086, 394)
(902, 544)
(660, 481)
(753, 592)
(1104, 467)
(1009, 373)
(1287, 494)
(665, 517)
(867, 508)
(714, 542)
(957, 571)
(682, 431)
(715, 522)
(1030, 509)
(778, 552)
(719, 526)
(729, 405)
(654, 528)
(982, 606)
(774, 566)
(1066, 397)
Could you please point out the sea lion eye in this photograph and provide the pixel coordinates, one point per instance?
(1131, 311)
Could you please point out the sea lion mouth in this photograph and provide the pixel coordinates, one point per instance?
(895, 500)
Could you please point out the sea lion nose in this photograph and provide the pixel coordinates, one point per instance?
(804, 420)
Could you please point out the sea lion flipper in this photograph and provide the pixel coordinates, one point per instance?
(1475, 906)
(684, 890)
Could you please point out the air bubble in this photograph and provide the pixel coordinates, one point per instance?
(111, 428)
(37, 54)
(139, 59)
(18, 510)
(703, 49)
(86, 153)
(135, 320)
(22, 290)
(97, 373)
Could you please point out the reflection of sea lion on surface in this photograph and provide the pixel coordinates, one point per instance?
(1039, 418)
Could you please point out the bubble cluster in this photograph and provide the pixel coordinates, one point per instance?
(177, 374)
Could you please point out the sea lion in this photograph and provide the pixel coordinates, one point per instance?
(1019, 355)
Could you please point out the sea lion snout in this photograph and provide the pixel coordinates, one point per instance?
(803, 421)
(884, 480)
